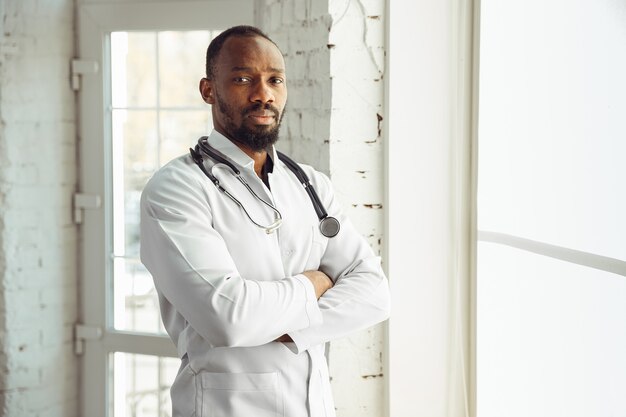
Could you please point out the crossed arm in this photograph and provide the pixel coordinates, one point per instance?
(229, 310)
(321, 283)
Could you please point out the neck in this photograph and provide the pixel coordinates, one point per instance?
(259, 158)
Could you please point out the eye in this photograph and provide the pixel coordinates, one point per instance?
(241, 80)
(277, 80)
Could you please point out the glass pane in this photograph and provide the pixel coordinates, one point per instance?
(135, 157)
(136, 301)
(141, 385)
(181, 130)
(551, 337)
(133, 69)
(551, 129)
(181, 66)
(145, 138)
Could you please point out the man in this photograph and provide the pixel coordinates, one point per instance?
(250, 310)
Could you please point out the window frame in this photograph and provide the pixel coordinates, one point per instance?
(96, 21)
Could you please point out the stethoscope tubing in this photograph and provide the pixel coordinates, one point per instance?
(197, 157)
(329, 226)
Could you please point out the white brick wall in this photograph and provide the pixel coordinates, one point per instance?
(38, 241)
(300, 28)
(334, 52)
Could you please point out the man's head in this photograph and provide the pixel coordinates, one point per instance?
(246, 86)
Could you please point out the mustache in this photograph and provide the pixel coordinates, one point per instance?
(258, 106)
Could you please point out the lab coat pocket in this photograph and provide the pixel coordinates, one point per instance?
(318, 247)
(241, 395)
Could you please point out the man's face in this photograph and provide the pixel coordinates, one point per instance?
(248, 91)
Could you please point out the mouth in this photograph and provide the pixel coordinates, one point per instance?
(262, 117)
(262, 120)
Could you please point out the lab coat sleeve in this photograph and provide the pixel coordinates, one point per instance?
(194, 273)
(360, 297)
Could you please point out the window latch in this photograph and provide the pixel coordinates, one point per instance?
(85, 201)
(83, 332)
(81, 67)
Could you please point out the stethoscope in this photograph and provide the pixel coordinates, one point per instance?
(329, 226)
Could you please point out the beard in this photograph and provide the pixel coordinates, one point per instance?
(257, 138)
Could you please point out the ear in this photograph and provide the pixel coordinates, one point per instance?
(206, 91)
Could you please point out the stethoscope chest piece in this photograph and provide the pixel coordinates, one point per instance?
(329, 226)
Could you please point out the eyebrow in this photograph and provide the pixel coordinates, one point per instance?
(235, 69)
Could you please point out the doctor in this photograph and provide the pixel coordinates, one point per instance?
(251, 307)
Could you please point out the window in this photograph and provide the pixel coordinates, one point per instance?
(541, 329)
(551, 259)
(155, 117)
(141, 109)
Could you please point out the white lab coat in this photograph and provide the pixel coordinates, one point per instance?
(227, 289)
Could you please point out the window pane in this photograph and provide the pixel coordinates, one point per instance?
(551, 337)
(181, 66)
(551, 130)
(136, 302)
(143, 140)
(133, 69)
(141, 385)
(181, 130)
(135, 157)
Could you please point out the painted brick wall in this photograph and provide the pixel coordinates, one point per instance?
(38, 279)
(335, 54)
(300, 28)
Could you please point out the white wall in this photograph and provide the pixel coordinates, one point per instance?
(38, 283)
(429, 208)
(335, 54)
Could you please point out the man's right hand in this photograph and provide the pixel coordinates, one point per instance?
(321, 282)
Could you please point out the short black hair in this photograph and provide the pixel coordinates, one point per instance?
(216, 44)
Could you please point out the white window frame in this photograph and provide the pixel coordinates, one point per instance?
(430, 206)
(96, 20)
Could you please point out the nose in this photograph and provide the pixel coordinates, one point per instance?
(262, 93)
